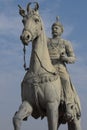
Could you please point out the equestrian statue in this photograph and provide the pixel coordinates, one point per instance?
(42, 91)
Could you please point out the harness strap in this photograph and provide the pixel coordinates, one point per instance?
(25, 67)
(54, 73)
(24, 50)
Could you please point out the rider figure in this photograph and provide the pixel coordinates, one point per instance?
(61, 53)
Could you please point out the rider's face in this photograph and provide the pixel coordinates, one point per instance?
(56, 30)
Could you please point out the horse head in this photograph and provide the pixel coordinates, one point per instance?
(32, 23)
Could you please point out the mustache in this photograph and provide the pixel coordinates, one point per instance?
(54, 32)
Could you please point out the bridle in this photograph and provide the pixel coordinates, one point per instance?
(24, 51)
(24, 58)
(28, 30)
(25, 66)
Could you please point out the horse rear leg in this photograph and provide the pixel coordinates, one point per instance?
(24, 111)
(52, 115)
(74, 125)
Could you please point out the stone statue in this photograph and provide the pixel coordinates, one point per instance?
(41, 89)
(61, 53)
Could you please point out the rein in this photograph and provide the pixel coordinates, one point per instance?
(24, 57)
(26, 68)
(54, 73)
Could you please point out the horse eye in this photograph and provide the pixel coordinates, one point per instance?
(36, 20)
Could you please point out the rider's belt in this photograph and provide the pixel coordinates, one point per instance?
(56, 61)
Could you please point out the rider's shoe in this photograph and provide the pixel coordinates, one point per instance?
(69, 115)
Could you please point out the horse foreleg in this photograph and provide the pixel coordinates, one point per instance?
(24, 111)
(52, 115)
(74, 125)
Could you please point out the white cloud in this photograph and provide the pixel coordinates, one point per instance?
(68, 30)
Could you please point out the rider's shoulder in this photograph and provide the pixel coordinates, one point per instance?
(66, 42)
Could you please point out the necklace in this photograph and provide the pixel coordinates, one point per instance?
(54, 43)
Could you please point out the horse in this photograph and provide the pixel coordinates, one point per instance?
(41, 86)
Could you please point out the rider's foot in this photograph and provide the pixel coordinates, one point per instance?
(69, 112)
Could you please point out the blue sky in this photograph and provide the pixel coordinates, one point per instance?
(74, 18)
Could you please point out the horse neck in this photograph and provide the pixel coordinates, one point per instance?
(40, 60)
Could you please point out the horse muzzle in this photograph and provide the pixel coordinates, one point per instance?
(25, 37)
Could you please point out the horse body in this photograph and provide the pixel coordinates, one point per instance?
(41, 87)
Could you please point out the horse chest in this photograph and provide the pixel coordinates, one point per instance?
(40, 85)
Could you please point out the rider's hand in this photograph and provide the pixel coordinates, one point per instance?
(66, 59)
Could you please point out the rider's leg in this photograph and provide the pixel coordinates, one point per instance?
(24, 111)
(67, 91)
(74, 125)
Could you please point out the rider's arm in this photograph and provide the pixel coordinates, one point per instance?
(70, 56)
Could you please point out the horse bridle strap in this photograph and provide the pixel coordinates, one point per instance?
(54, 73)
(26, 68)
(24, 50)
(28, 30)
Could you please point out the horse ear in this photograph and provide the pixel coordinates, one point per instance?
(21, 11)
(28, 7)
(36, 6)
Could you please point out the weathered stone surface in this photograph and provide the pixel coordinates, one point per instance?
(46, 89)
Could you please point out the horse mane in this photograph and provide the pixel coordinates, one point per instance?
(46, 61)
